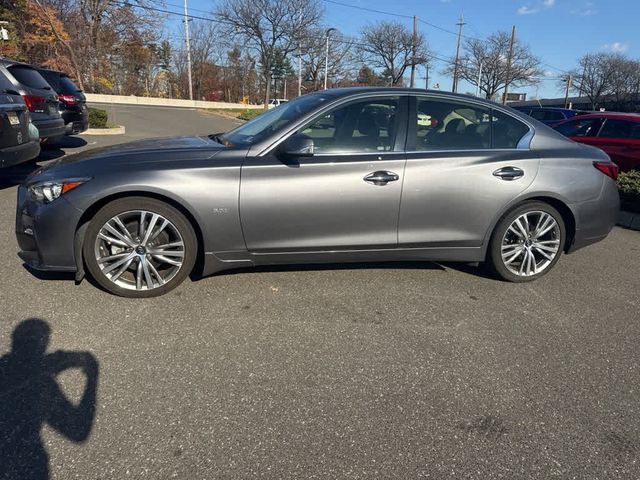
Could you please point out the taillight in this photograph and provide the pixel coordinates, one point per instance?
(32, 101)
(68, 99)
(610, 169)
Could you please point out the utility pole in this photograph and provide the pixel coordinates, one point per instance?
(186, 32)
(300, 72)
(426, 79)
(460, 24)
(414, 47)
(326, 57)
(566, 93)
(300, 62)
(479, 80)
(509, 59)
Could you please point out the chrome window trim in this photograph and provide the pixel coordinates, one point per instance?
(523, 144)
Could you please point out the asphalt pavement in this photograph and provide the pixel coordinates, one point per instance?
(404, 370)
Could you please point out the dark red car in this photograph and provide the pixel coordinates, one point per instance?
(618, 134)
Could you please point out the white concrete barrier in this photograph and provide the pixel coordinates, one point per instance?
(163, 102)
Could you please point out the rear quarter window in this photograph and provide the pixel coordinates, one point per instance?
(67, 85)
(5, 83)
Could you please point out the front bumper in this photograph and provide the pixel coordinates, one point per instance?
(46, 232)
(20, 153)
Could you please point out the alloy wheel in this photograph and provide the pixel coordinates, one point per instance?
(530, 243)
(139, 250)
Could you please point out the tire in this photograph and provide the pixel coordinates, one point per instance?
(127, 258)
(517, 257)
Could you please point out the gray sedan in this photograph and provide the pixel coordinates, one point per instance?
(361, 174)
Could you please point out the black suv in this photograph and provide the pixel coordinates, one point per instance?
(16, 145)
(40, 98)
(73, 103)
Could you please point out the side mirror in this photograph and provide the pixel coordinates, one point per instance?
(298, 145)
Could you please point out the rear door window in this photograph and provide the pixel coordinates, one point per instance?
(614, 128)
(28, 76)
(507, 131)
(454, 125)
(581, 127)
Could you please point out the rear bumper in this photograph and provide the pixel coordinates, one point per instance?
(50, 128)
(595, 219)
(46, 233)
(20, 153)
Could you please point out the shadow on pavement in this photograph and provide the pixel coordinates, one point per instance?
(30, 396)
(15, 175)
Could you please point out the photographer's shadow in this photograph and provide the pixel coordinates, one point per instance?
(30, 396)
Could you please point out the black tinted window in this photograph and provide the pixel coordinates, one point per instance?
(67, 85)
(507, 131)
(581, 127)
(616, 129)
(5, 83)
(28, 76)
(365, 126)
(52, 79)
(453, 125)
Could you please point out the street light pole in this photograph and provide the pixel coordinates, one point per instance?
(326, 56)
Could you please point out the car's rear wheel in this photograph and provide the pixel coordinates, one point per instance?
(527, 242)
(139, 247)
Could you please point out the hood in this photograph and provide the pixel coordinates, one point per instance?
(149, 145)
(121, 156)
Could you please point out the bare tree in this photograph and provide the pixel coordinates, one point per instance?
(390, 46)
(595, 76)
(492, 55)
(625, 81)
(341, 58)
(267, 26)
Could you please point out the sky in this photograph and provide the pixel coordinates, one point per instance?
(557, 31)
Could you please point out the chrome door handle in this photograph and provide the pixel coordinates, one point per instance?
(381, 177)
(508, 173)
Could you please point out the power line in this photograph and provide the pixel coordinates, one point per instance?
(344, 40)
(382, 12)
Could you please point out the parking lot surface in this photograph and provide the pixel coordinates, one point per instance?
(356, 371)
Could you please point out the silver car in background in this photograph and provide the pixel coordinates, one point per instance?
(359, 174)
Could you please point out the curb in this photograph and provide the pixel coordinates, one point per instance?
(629, 220)
(119, 130)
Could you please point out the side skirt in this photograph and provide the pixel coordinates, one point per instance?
(219, 261)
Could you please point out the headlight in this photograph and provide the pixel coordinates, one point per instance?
(47, 192)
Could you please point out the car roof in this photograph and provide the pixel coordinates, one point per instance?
(634, 117)
(347, 91)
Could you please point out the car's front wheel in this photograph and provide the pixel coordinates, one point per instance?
(139, 247)
(527, 242)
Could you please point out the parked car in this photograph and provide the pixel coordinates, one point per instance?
(16, 143)
(276, 102)
(478, 182)
(40, 98)
(73, 103)
(618, 134)
(549, 115)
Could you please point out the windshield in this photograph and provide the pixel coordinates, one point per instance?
(273, 120)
